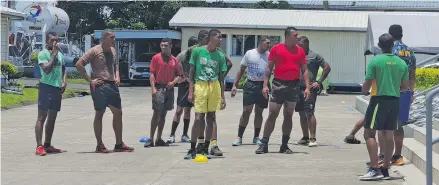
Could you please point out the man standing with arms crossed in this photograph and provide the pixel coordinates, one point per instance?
(53, 83)
(104, 82)
(206, 90)
(288, 59)
(256, 61)
(165, 73)
(306, 108)
(391, 76)
(183, 104)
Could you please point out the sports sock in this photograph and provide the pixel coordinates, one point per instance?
(206, 144)
(257, 131)
(285, 140)
(186, 126)
(46, 145)
(200, 140)
(193, 144)
(213, 142)
(174, 127)
(241, 130)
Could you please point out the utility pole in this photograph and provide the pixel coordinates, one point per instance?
(325, 5)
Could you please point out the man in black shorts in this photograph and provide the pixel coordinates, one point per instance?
(183, 104)
(255, 61)
(391, 76)
(104, 83)
(306, 108)
(288, 59)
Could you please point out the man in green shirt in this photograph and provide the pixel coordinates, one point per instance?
(390, 74)
(206, 90)
(52, 84)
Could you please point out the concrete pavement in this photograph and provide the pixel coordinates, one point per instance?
(332, 163)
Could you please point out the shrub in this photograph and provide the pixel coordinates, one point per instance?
(73, 75)
(426, 78)
(8, 69)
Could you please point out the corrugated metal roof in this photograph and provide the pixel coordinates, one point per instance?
(411, 4)
(11, 12)
(274, 19)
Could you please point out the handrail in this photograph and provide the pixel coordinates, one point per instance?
(429, 135)
(420, 64)
(426, 91)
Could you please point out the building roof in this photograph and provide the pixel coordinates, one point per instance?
(5, 11)
(142, 34)
(275, 19)
(369, 4)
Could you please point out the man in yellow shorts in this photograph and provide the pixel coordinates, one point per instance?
(207, 68)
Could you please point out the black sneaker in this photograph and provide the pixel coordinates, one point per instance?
(206, 153)
(190, 154)
(263, 148)
(215, 151)
(149, 144)
(351, 140)
(385, 172)
(160, 142)
(199, 149)
(304, 141)
(285, 149)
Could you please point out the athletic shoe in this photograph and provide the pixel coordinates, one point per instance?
(351, 140)
(304, 141)
(312, 142)
(52, 149)
(372, 174)
(397, 160)
(215, 151)
(285, 149)
(160, 142)
(190, 154)
(148, 144)
(122, 148)
(237, 141)
(257, 141)
(101, 149)
(40, 151)
(205, 152)
(263, 148)
(385, 172)
(185, 139)
(171, 139)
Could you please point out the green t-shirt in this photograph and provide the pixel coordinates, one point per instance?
(54, 78)
(207, 64)
(388, 71)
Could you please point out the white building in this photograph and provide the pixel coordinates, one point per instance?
(339, 36)
(7, 15)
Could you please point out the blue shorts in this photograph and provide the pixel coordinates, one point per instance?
(49, 97)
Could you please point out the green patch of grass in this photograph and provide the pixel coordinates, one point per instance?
(77, 81)
(29, 95)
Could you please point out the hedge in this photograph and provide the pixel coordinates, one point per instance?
(426, 78)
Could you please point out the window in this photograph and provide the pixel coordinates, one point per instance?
(242, 43)
(273, 40)
(224, 43)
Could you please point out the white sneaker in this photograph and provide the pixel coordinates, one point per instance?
(171, 139)
(312, 143)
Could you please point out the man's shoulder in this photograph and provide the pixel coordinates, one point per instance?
(44, 52)
(157, 56)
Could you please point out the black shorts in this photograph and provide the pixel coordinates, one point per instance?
(285, 91)
(164, 100)
(309, 105)
(382, 113)
(183, 93)
(253, 94)
(106, 94)
(49, 97)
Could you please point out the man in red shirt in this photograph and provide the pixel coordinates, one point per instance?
(289, 59)
(165, 73)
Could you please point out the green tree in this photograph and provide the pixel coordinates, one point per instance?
(271, 5)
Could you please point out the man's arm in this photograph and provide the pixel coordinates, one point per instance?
(366, 86)
(192, 62)
(47, 66)
(229, 65)
(116, 68)
(305, 73)
(64, 71)
(412, 72)
(268, 70)
(152, 70)
(326, 69)
(405, 82)
(370, 76)
(241, 71)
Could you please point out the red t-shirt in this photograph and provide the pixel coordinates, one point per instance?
(164, 72)
(287, 62)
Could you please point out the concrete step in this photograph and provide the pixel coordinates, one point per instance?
(419, 134)
(411, 174)
(415, 152)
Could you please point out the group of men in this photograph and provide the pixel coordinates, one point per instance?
(388, 75)
(199, 72)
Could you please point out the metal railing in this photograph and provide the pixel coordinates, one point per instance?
(429, 134)
(420, 64)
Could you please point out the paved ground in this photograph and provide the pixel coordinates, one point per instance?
(333, 162)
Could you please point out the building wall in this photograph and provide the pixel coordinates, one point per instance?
(4, 39)
(342, 50)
